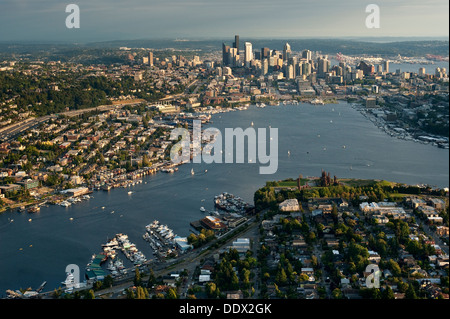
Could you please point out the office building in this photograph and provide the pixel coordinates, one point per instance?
(265, 67)
(236, 44)
(248, 54)
(386, 66)
(306, 54)
(287, 52)
(323, 66)
(225, 54)
(150, 58)
(422, 72)
(265, 53)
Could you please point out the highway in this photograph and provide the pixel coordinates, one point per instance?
(11, 132)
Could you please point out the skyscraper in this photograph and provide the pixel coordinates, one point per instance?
(150, 58)
(286, 52)
(233, 57)
(306, 68)
(422, 72)
(386, 66)
(236, 43)
(306, 54)
(225, 54)
(265, 66)
(248, 53)
(265, 53)
(290, 72)
(323, 66)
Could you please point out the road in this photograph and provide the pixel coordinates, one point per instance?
(434, 236)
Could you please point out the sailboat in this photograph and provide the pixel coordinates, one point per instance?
(252, 123)
(289, 153)
(192, 171)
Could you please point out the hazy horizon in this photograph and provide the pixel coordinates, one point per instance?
(114, 20)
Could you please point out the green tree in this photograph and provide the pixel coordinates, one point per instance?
(410, 292)
(388, 293)
(172, 294)
(337, 294)
(137, 277)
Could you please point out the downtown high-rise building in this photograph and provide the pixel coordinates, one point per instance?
(225, 54)
(386, 66)
(248, 54)
(265, 66)
(265, 53)
(306, 54)
(236, 43)
(323, 66)
(150, 58)
(286, 52)
(233, 57)
(306, 68)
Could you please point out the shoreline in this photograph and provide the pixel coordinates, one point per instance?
(167, 167)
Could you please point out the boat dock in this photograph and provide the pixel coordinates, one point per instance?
(161, 239)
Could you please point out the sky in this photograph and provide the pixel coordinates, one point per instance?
(105, 20)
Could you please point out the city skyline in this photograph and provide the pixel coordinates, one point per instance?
(44, 20)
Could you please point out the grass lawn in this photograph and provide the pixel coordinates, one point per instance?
(364, 182)
(288, 183)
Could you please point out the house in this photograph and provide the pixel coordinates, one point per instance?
(235, 295)
(374, 256)
(345, 282)
(299, 243)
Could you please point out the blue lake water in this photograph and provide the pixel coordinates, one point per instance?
(314, 135)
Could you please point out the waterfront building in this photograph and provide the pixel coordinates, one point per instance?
(213, 223)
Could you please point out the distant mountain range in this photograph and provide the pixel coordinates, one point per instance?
(375, 46)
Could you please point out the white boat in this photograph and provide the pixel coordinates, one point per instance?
(130, 192)
(202, 209)
(252, 123)
(65, 204)
(111, 266)
(192, 171)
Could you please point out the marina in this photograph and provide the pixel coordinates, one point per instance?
(162, 240)
(232, 204)
(120, 243)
